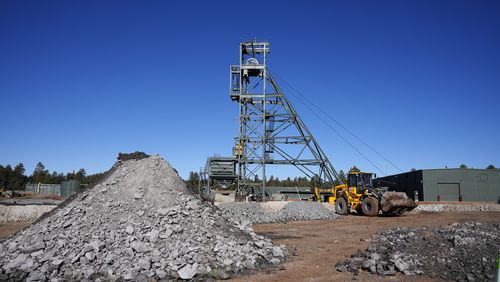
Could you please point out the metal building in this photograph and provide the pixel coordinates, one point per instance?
(455, 184)
(69, 188)
(44, 189)
(65, 189)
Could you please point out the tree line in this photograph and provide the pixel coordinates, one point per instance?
(16, 179)
(194, 179)
(488, 167)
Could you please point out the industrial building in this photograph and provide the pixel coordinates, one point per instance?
(65, 189)
(455, 184)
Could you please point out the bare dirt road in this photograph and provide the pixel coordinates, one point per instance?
(321, 244)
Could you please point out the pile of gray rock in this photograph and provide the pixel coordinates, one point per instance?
(276, 212)
(461, 252)
(140, 223)
(457, 207)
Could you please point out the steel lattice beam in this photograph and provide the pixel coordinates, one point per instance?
(269, 126)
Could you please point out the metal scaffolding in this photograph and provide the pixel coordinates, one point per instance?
(270, 130)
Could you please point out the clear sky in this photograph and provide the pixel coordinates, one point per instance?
(81, 81)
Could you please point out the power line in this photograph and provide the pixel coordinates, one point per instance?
(334, 130)
(338, 123)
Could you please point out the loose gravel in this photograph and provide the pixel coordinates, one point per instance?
(139, 224)
(280, 212)
(26, 202)
(459, 252)
(25, 213)
(460, 207)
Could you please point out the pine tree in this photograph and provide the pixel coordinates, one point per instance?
(354, 169)
(19, 169)
(40, 173)
(193, 181)
(256, 179)
(342, 178)
(80, 175)
(17, 178)
(272, 181)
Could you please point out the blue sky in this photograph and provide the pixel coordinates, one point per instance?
(81, 81)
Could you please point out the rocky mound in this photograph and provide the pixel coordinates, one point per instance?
(140, 223)
(457, 207)
(459, 252)
(276, 212)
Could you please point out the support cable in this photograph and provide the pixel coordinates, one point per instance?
(301, 100)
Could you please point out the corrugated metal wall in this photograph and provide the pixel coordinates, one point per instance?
(69, 188)
(45, 189)
(470, 185)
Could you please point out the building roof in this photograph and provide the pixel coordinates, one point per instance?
(448, 169)
(467, 169)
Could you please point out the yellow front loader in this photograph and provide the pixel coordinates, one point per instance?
(359, 195)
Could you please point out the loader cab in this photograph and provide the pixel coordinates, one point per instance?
(358, 182)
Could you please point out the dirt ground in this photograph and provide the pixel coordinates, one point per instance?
(9, 228)
(321, 244)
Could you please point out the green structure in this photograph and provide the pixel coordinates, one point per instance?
(69, 188)
(456, 184)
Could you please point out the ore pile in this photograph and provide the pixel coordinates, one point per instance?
(139, 224)
(462, 207)
(461, 252)
(255, 213)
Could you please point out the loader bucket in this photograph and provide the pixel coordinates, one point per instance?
(396, 203)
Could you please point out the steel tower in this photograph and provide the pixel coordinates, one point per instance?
(270, 130)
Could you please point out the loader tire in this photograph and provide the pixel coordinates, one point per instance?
(341, 206)
(369, 206)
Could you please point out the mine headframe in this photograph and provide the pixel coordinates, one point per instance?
(271, 132)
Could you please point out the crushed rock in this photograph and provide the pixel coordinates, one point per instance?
(457, 207)
(459, 252)
(109, 233)
(277, 212)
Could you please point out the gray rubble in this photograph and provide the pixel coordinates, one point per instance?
(139, 224)
(255, 213)
(25, 202)
(457, 207)
(459, 252)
